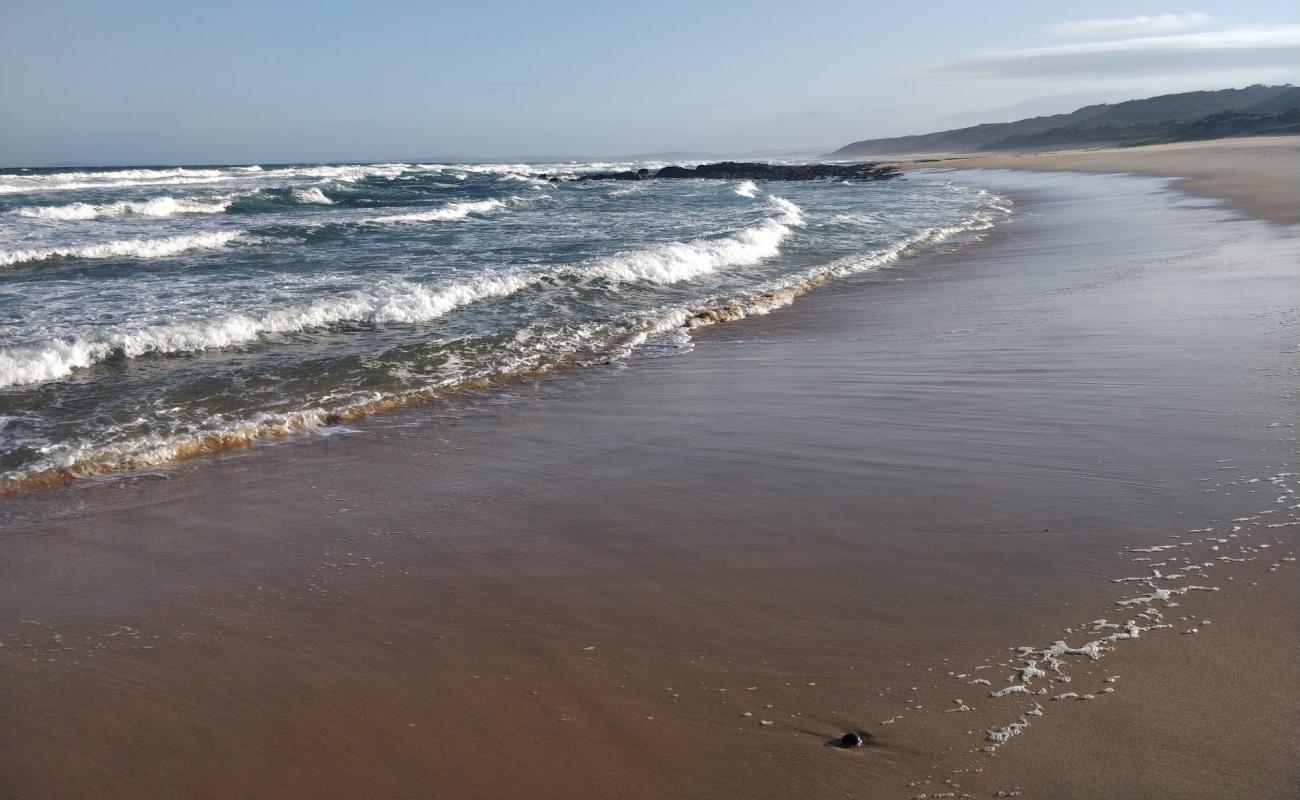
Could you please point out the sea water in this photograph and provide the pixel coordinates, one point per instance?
(148, 314)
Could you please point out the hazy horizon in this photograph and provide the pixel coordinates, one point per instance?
(290, 83)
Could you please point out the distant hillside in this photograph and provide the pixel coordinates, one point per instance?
(1255, 110)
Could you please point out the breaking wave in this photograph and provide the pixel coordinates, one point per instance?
(311, 196)
(399, 303)
(154, 207)
(448, 212)
(123, 248)
(679, 261)
(170, 206)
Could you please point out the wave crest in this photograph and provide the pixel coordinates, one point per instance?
(449, 211)
(400, 303)
(123, 248)
(679, 261)
(311, 196)
(154, 207)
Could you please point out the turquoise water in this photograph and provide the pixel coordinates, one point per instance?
(151, 313)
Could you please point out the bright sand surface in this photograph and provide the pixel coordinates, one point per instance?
(1261, 175)
(683, 577)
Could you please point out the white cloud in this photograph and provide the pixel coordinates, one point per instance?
(1132, 26)
(1243, 47)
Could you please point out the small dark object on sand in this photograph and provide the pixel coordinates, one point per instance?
(851, 739)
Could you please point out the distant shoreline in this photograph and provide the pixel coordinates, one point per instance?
(1258, 175)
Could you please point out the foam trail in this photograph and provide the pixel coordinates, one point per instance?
(747, 189)
(400, 303)
(123, 248)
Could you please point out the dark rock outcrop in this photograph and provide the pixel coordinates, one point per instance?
(676, 172)
(744, 170)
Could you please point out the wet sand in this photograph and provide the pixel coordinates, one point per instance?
(1260, 175)
(603, 583)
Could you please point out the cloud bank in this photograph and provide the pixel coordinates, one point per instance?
(1133, 26)
(1241, 47)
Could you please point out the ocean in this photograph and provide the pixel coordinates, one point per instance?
(151, 314)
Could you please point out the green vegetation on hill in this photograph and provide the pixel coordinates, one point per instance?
(1255, 110)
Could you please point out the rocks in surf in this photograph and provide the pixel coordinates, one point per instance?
(743, 170)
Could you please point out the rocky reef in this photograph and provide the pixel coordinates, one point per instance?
(754, 171)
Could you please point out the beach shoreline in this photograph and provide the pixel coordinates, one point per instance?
(606, 581)
(1255, 174)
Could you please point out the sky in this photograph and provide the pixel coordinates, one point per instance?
(276, 81)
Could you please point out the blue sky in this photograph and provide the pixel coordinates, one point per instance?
(236, 82)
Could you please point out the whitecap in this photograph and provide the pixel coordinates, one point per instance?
(449, 211)
(398, 303)
(679, 261)
(123, 248)
(310, 196)
(153, 207)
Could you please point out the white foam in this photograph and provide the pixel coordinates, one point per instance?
(449, 211)
(888, 255)
(1000, 736)
(399, 303)
(680, 261)
(123, 248)
(312, 195)
(535, 182)
(1160, 595)
(216, 431)
(783, 292)
(350, 173)
(1049, 662)
(107, 177)
(747, 189)
(70, 211)
(154, 207)
(69, 181)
